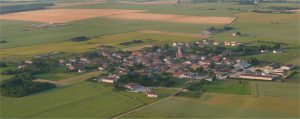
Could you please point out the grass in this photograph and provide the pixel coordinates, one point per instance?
(57, 74)
(294, 78)
(275, 89)
(212, 105)
(229, 87)
(81, 100)
(286, 31)
(290, 56)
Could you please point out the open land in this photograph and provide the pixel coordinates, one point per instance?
(265, 104)
(226, 105)
(109, 24)
(62, 15)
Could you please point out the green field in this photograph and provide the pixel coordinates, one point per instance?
(221, 106)
(275, 89)
(18, 33)
(201, 9)
(229, 87)
(81, 100)
(80, 47)
(264, 102)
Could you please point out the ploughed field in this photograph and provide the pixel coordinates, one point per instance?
(67, 15)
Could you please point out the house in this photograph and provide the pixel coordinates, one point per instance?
(216, 58)
(84, 59)
(28, 62)
(132, 86)
(110, 79)
(277, 51)
(151, 94)
(287, 67)
(180, 75)
(241, 64)
(136, 53)
(72, 68)
(273, 66)
(209, 79)
(22, 66)
(257, 77)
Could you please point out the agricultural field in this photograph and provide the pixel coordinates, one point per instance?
(258, 103)
(112, 22)
(80, 47)
(96, 27)
(230, 86)
(80, 100)
(212, 105)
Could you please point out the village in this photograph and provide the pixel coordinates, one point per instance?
(202, 60)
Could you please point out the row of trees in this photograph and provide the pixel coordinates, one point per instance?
(22, 84)
(18, 87)
(163, 80)
(19, 8)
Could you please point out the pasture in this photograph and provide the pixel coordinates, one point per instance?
(80, 100)
(212, 105)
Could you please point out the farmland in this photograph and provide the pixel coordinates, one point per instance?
(90, 28)
(259, 103)
(79, 47)
(90, 101)
(112, 23)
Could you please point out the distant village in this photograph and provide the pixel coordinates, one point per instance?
(202, 60)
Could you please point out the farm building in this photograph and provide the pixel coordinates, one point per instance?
(134, 87)
(110, 79)
(151, 94)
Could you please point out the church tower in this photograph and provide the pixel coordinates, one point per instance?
(179, 52)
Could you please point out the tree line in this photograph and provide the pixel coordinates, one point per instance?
(19, 8)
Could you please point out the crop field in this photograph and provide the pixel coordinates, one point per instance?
(174, 18)
(290, 56)
(18, 33)
(212, 105)
(285, 30)
(229, 87)
(79, 47)
(80, 100)
(203, 9)
(62, 15)
(264, 100)
(275, 89)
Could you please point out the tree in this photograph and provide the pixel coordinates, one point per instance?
(238, 33)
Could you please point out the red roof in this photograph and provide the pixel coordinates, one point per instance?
(136, 53)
